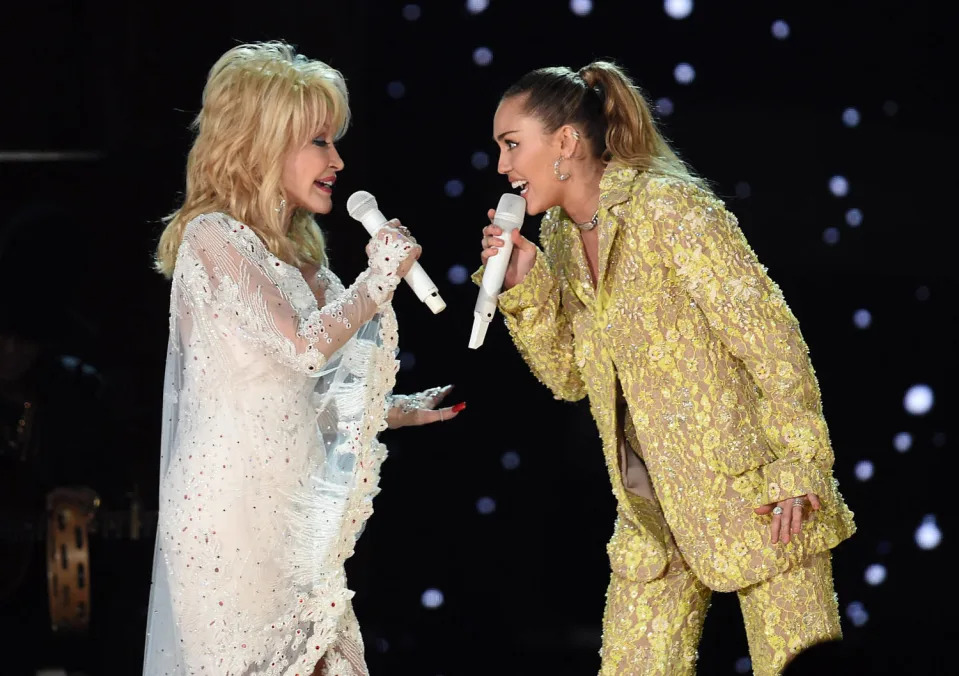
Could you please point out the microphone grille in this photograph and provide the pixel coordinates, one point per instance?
(360, 203)
(512, 207)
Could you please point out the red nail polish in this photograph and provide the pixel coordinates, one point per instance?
(459, 407)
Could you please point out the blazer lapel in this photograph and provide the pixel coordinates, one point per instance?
(614, 189)
(576, 268)
(607, 235)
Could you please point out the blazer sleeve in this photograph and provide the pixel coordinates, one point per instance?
(746, 310)
(533, 313)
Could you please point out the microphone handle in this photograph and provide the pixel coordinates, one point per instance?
(416, 278)
(420, 282)
(494, 274)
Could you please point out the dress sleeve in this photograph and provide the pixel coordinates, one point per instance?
(225, 266)
(746, 310)
(533, 313)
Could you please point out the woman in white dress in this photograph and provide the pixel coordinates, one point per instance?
(277, 383)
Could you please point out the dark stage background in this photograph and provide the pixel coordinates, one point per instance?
(500, 518)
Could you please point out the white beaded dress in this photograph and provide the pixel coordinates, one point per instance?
(269, 458)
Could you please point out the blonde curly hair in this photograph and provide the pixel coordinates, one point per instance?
(261, 101)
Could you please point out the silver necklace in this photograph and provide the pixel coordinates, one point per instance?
(590, 224)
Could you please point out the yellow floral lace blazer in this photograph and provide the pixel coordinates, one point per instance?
(723, 404)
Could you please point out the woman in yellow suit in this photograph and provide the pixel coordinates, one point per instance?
(646, 298)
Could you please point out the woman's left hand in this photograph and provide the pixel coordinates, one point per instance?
(420, 408)
(788, 515)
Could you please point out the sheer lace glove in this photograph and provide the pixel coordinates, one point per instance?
(420, 408)
(392, 252)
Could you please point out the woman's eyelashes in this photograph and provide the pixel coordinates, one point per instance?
(510, 144)
(321, 142)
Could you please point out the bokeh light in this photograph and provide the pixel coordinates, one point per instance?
(476, 6)
(854, 218)
(862, 318)
(486, 505)
(865, 470)
(482, 56)
(453, 188)
(875, 574)
(928, 535)
(856, 613)
(850, 117)
(510, 460)
(432, 598)
(678, 9)
(458, 274)
(581, 7)
(684, 73)
(839, 186)
(902, 442)
(664, 106)
(919, 399)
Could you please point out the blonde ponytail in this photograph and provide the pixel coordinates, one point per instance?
(610, 111)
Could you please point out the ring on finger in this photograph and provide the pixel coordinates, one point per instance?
(777, 510)
(799, 502)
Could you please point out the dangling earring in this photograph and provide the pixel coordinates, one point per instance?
(559, 175)
(282, 206)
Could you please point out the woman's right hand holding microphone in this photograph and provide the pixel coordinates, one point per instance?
(522, 258)
(392, 252)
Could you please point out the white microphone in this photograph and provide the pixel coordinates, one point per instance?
(509, 216)
(362, 206)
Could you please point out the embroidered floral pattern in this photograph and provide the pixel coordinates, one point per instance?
(720, 391)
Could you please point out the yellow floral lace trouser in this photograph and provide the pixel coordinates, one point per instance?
(654, 627)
